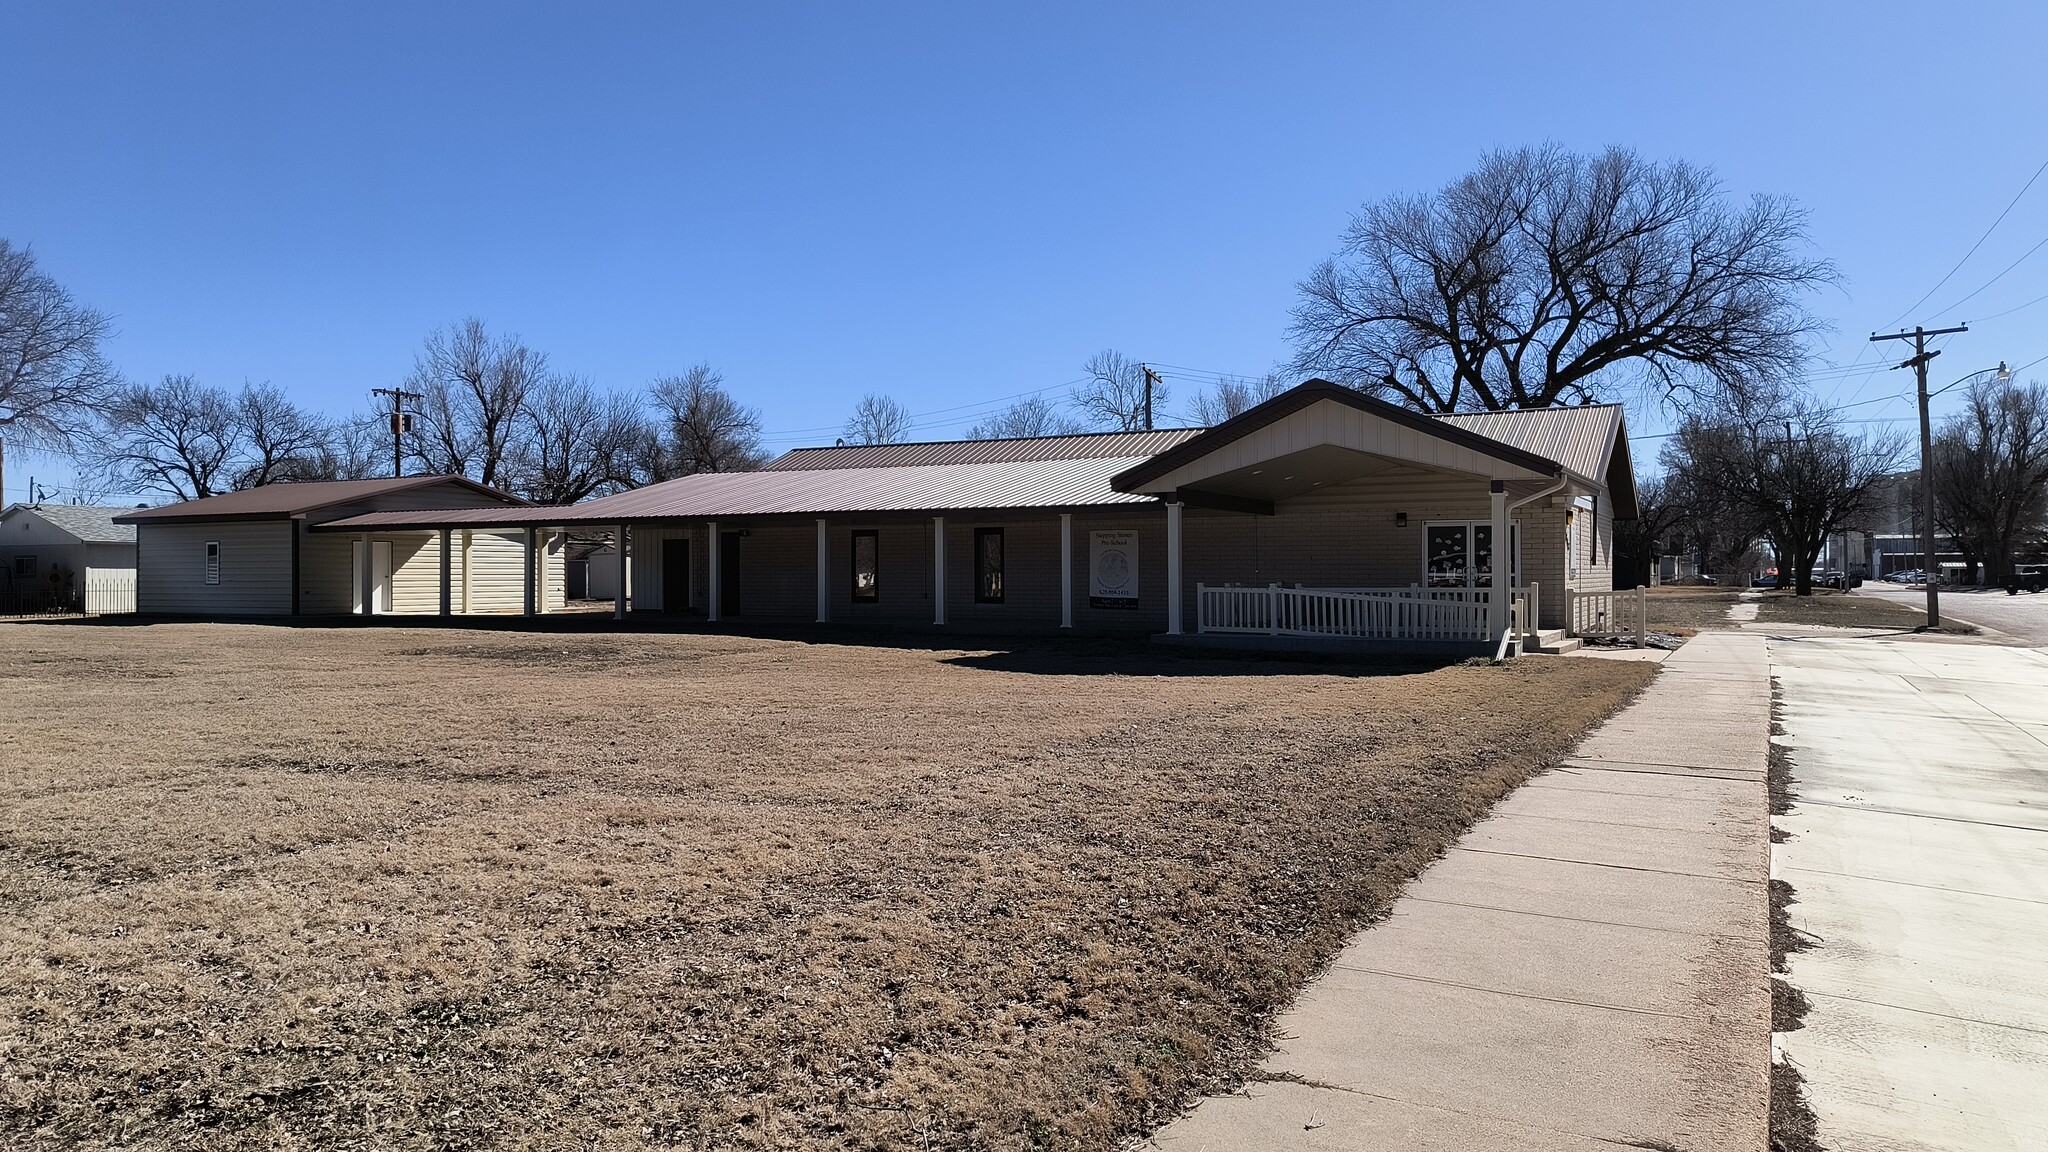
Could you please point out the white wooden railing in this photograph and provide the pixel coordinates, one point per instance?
(1613, 613)
(1411, 613)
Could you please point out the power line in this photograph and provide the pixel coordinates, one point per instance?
(1973, 248)
(2013, 309)
(1995, 279)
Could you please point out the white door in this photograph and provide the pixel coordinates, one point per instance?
(379, 556)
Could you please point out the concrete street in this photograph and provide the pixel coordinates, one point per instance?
(2024, 617)
(1585, 969)
(1919, 852)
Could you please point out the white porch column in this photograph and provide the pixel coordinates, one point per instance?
(532, 541)
(824, 574)
(1173, 532)
(711, 556)
(447, 572)
(938, 569)
(1499, 611)
(367, 577)
(619, 546)
(1066, 569)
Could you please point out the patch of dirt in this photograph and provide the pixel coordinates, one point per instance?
(1792, 1119)
(1847, 610)
(747, 894)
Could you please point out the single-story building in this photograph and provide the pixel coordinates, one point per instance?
(1322, 512)
(66, 556)
(257, 552)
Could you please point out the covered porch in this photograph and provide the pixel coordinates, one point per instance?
(1327, 516)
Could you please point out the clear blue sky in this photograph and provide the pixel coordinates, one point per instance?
(950, 204)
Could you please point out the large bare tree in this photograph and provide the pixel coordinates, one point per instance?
(1991, 471)
(1031, 416)
(578, 442)
(1547, 276)
(705, 429)
(878, 420)
(1114, 396)
(276, 439)
(1793, 476)
(178, 437)
(474, 388)
(52, 377)
(190, 440)
(1230, 395)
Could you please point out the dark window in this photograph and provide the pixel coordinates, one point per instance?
(25, 566)
(988, 565)
(213, 561)
(867, 565)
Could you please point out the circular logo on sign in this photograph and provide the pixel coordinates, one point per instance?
(1113, 569)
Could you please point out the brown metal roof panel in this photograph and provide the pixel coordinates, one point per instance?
(1080, 446)
(277, 501)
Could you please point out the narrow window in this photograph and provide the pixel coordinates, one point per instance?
(213, 561)
(867, 566)
(988, 565)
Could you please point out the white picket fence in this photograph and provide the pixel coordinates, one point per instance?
(1616, 613)
(109, 593)
(1411, 613)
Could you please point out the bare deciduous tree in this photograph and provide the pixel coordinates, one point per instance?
(578, 442)
(1639, 542)
(1114, 396)
(878, 420)
(1230, 395)
(706, 429)
(1548, 276)
(178, 437)
(1991, 472)
(1031, 416)
(51, 374)
(474, 389)
(1793, 477)
(276, 439)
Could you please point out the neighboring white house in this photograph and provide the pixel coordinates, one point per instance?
(66, 556)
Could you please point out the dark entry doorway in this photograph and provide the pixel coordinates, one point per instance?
(675, 575)
(729, 574)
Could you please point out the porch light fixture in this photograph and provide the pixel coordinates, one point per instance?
(1400, 519)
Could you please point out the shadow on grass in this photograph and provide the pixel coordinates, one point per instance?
(1035, 653)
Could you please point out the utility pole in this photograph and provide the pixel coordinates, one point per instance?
(1918, 363)
(401, 423)
(1151, 378)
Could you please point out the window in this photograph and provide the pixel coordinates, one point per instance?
(988, 565)
(24, 567)
(867, 566)
(1459, 554)
(213, 561)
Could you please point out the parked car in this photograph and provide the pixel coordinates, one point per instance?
(1830, 578)
(1909, 576)
(2029, 578)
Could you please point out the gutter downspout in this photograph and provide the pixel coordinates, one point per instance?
(1535, 610)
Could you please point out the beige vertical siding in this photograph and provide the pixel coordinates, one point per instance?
(255, 569)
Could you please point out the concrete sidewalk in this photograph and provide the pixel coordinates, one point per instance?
(1586, 968)
(1919, 852)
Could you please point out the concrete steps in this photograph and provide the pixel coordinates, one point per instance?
(1553, 642)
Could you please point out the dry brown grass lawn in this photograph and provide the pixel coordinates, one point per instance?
(410, 888)
(1690, 609)
(1847, 610)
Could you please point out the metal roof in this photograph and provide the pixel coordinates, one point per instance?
(91, 523)
(278, 501)
(810, 492)
(1081, 446)
(1578, 438)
